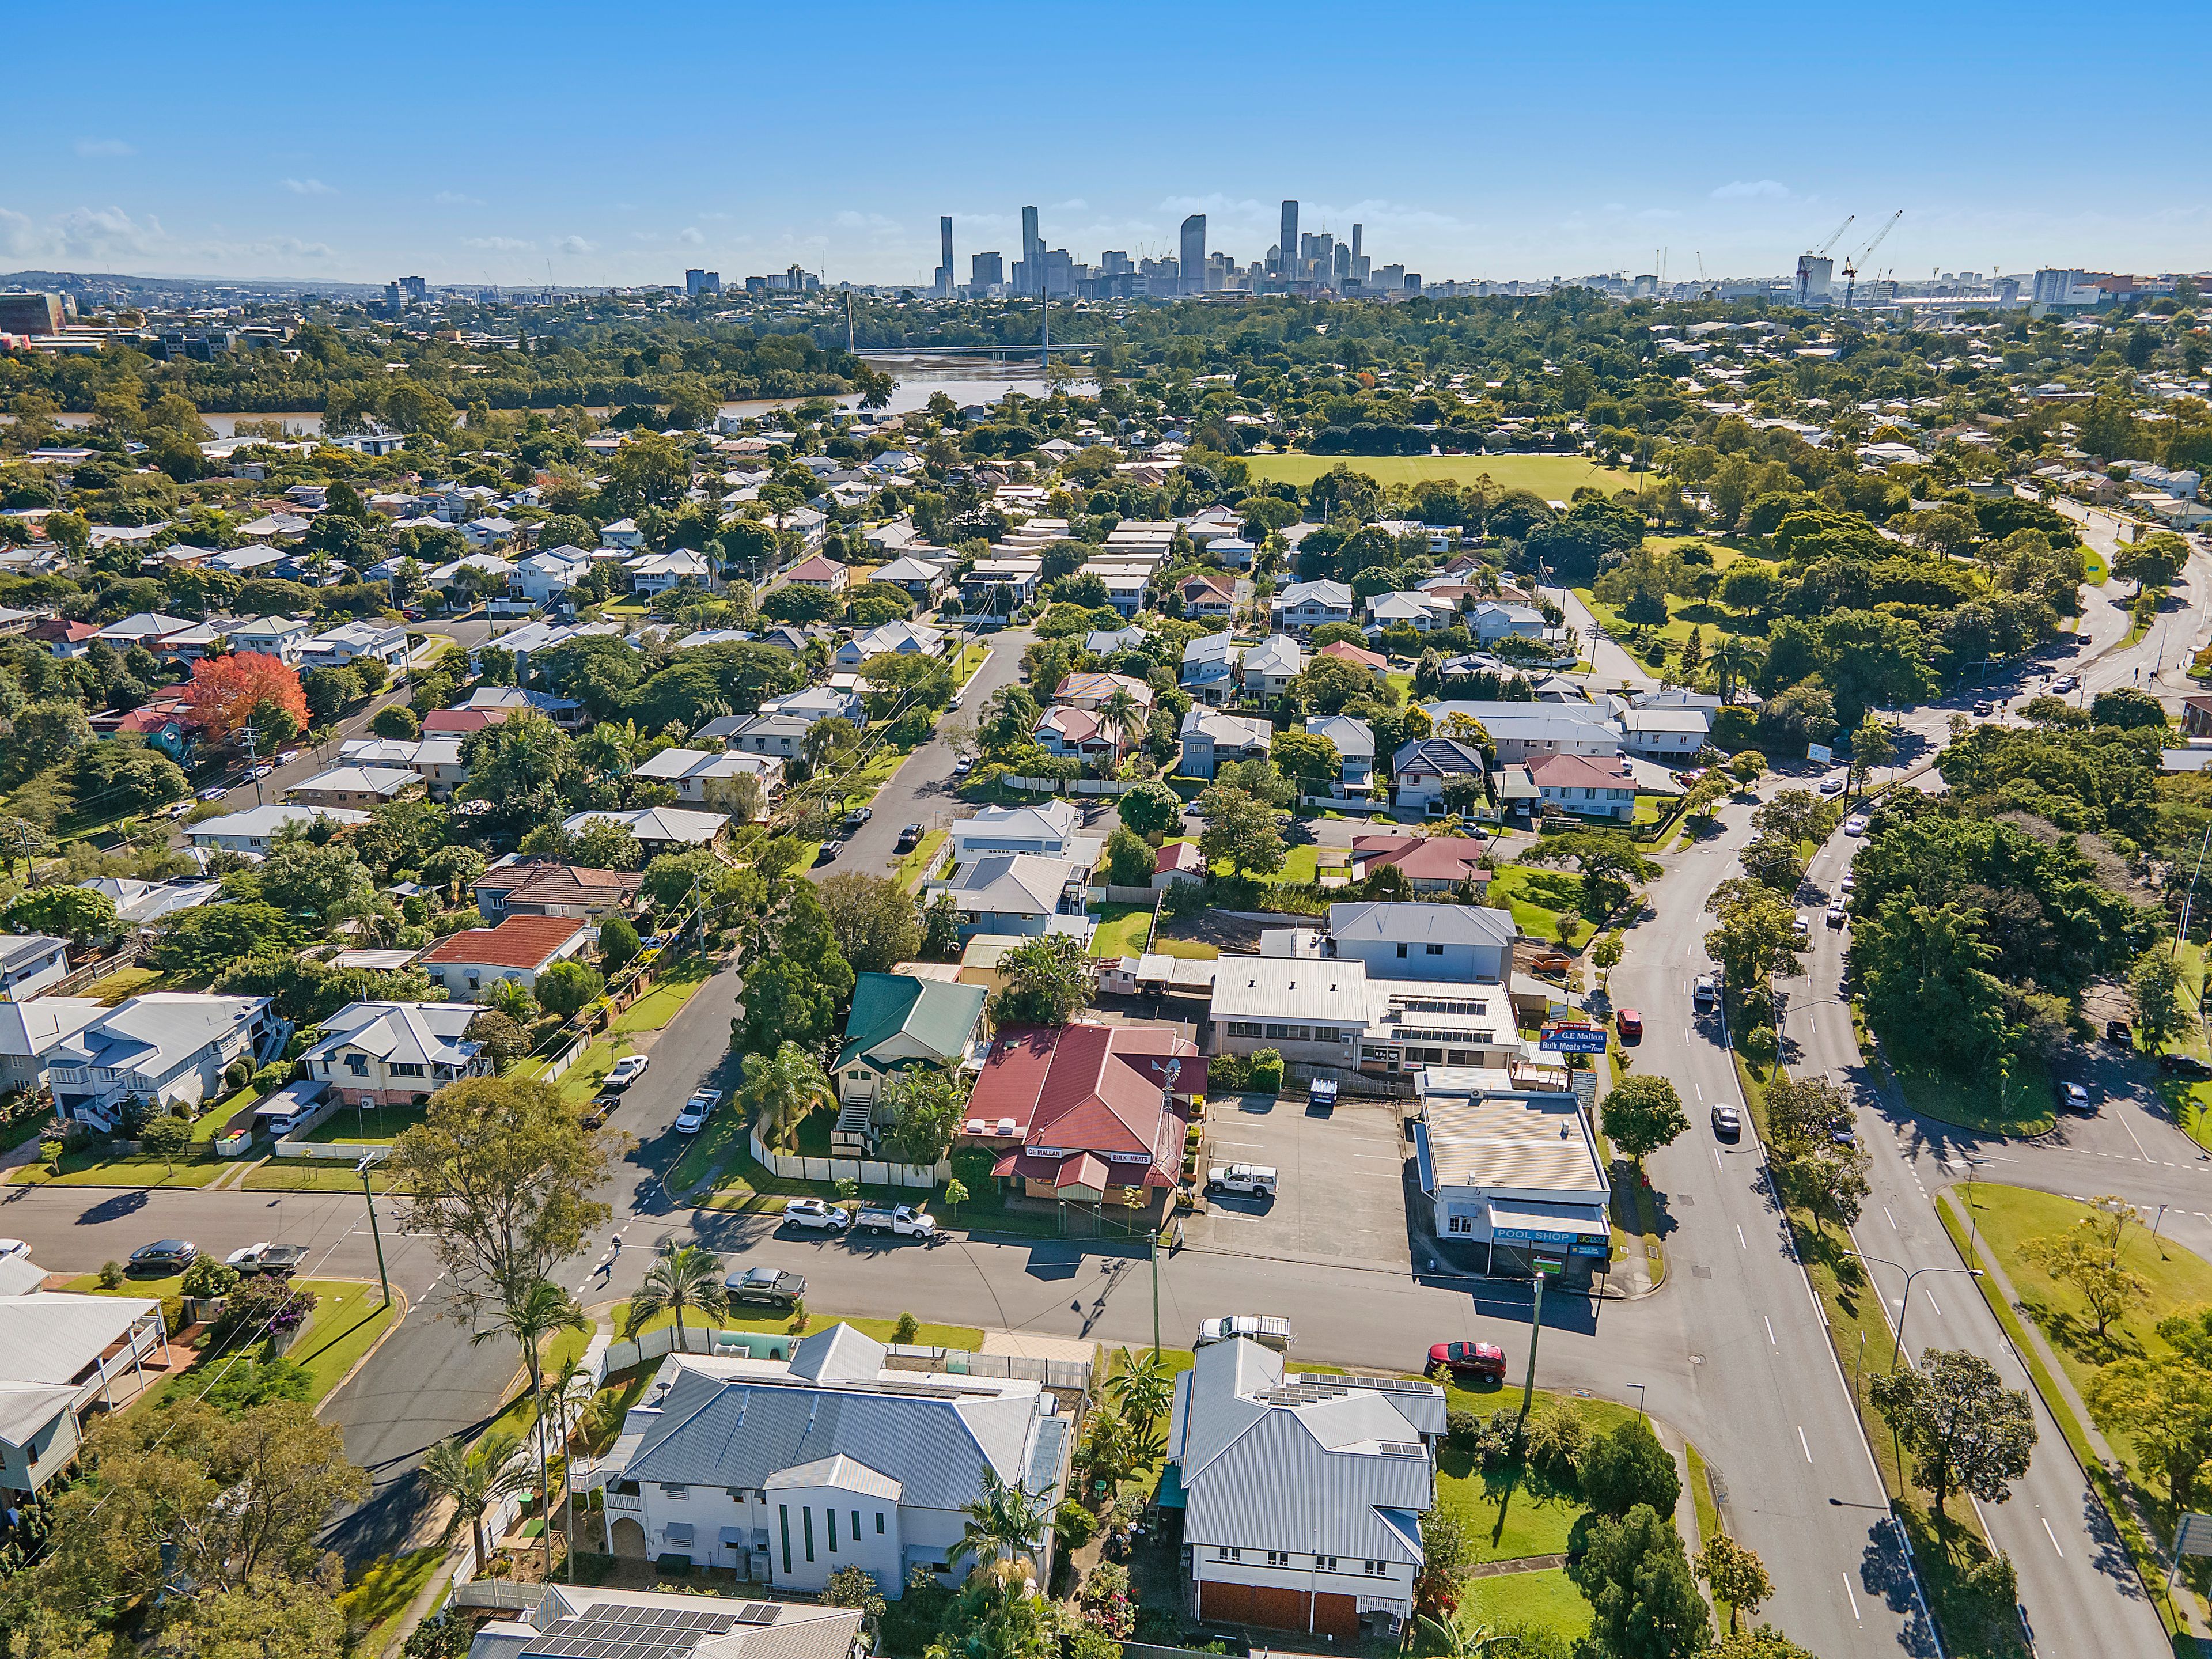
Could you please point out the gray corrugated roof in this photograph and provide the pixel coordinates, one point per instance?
(1450, 924)
(51, 1336)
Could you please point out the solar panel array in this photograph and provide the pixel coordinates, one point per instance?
(632, 1632)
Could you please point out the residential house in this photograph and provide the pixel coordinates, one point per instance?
(820, 571)
(1426, 767)
(1430, 864)
(820, 702)
(652, 573)
(1345, 651)
(1049, 829)
(146, 627)
(29, 963)
(622, 534)
(787, 1470)
(893, 639)
(1523, 731)
(1304, 606)
(1084, 1112)
(1461, 943)
(167, 1047)
(1021, 893)
(165, 721)
(1128, 586)
(1421, 612)
(1672, 736)
(30, 1031)
(1093, 690)
(1178, 861)
(505, 700)
(141, 903)
(783, 736)
(900, 1022)
(1354, 740)
(650, 1624)
(437, 759)
(2197, 717)
(255, 829)
(1077, 734)
(1508, 1164)
(63, 639)
(999, 588)
(1212, 740)
(395, 1054)
(341, 646)
(486, 533)
(659, 828)
(1111, 641)
(547, 573)
(62, 1355)
(1232, 552)
(1209, 668)
(473, 963)
(1589, 788)
(1301, 1496)
(521, 886)
(487, 571)
(924, 580)
(533, 639)
(1207, 597)
(1270, 668)
(706, 776)
(284, 638)
(1492, 620)
(359, 786)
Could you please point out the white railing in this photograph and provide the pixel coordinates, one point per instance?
(869, 1172)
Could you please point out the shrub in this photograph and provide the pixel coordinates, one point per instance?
(165, 1137)
(209, 1276)
(799, 1315)
(1267, 1076)
(853, 1587)
(262, 1307)
(238, 1073)
(1626, 1467)
(907, 1329)
(1462, 1429)
(1074, 1525)
(1500, 1441)
(1559, 1438)
(255, 1383)
(111, 1275)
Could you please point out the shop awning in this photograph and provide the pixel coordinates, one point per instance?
(1528, 1221)
(1424, 1158)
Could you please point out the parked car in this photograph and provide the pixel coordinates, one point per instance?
(857, 816)
(288, 757)
(903, 1222)
(1855, 824)
(1850, 883)
(412, 612)
(1467, 1362)
(1981, 709)
(1251, 1180)
(772, 1287)
(2184, 1065)
(276, 1260)
(814, 1214)
(1704, 992)
(963, 766)
(1727, 1122)
(2073, 1097)
(167, 1255)
(1269, 1330)
(696, 1110)
(13, 1247)
(626, 1070)
(1831, 784)
(255, 774)
(1629, 1023)
(175, 809)
(1836, 916)
(2119, 1032)
(828, 850)
(909, 838)
(602, 1106)
(1801, 930)
(215, 791)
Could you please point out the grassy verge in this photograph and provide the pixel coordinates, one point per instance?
(914, 867)
(385, 1591)
(1951, 1550)
(2019, 1107)
(659, 1006)
(300, 1175)
(2109, 1490)
(769, 1323)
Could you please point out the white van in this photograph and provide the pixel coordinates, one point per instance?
(1271, 1330)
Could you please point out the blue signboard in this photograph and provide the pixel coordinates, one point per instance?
(1573, 1039)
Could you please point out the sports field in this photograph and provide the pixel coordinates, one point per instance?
(1552, 477)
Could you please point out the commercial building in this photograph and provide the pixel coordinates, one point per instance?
(1513, 1169)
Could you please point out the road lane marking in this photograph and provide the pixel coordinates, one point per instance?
(1739, 1236)
(1892, 1219)
(1803, 1442)
(1769, 1323)
(2053, 1537)
(1717, 1165)
(1253, 1145)
(1855, 1600)
(1931, 1303)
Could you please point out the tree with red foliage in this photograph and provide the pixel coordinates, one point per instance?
(226, 690)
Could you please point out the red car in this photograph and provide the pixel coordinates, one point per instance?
(1467, 1362)
(1629, 1023)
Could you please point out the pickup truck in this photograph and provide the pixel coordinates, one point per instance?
(905, 1222)
(1271, 1330)
(1253, 1180)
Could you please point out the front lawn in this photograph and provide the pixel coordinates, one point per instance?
(89, 1167)
(1514, 1513)
(1546, 1599)
(122, 983)
(364, 1125)
(1122, 930)
(770, 1322)
(1543, 902)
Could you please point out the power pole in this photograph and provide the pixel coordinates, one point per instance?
(382, 1278)
(253, 762)
(1536, 1329)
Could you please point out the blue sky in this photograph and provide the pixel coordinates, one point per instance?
(623, 142)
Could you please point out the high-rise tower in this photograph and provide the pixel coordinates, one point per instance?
(1032, 251)
(1193, 266)
(944, 278)
(1288, 243)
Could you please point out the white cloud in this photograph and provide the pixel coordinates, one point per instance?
(574, 245)
(309, 187)
(455, 198)
(497, 244)
(104, 147)
(1744, 190)
(689, 236)
(97, 237)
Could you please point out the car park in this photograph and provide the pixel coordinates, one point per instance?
(1244, 1180)
(770, 1287)
(696, 1110)
(1704, 992)
(1467, 1362)
(1837, 916)
(276, 1260)
(813, 1213)
(1629, 1023)
(1269, 1330)
(903, 1222)
(167, 1256)
(2073, 1097)
(626, 1070)
(1855, 824)
(1727, 1122)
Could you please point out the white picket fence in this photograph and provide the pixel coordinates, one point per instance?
(868, 1171)
(1071, 785)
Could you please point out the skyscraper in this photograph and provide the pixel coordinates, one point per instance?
(944, 278)
(1288, 243)
(1194, 254)
(1032, 251)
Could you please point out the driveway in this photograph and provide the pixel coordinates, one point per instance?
(1341, 1188)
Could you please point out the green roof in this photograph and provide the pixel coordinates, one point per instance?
(939, 1014)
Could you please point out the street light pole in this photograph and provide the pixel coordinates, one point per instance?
(1638, 1387)
(382, 1278)
(1905, 1304)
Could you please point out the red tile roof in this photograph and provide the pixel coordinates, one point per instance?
(1423, 858)
(1347, 652)
(519, 942)
(461, 720)
(1087, 1088)
(1179, 855)
(1578, 772)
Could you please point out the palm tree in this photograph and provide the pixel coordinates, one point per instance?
(1142, 1388)
(782, 1089)
(1120, 711)
(683, 1276)
(472, 1479)
(1731, 661)
(530, 1316)
(1003, 1519)
(1458, 1642)
(560, 1388)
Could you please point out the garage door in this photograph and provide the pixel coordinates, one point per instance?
(1230, 1603)
(1336, 1615)
(1266, 1605)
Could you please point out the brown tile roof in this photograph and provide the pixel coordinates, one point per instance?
(1351, 654)
(461, 720)
(1424, 858)
(518, 942)
(560, 883)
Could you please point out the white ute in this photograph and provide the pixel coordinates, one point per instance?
(905, 1222)
(1254, 1180)
(1271, 1330)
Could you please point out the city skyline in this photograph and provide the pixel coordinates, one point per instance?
(1457, 159)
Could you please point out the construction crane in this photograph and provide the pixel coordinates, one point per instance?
(1805, 261)
(1850, 261)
